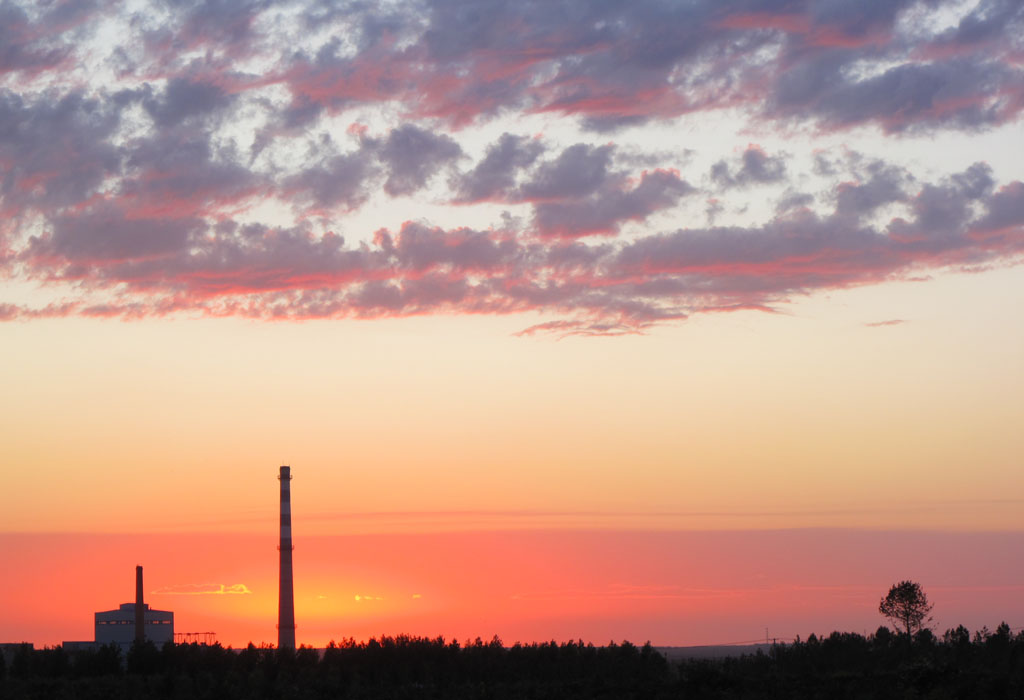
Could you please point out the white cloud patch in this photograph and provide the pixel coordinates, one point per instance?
(204, 589)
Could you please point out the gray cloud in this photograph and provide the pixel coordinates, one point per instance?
(956, 93)
(26, 45)
(495, 175)
(104, 234)
(602, 212)
(340, 181)
(755, 167)
(413, 157)
(184, 98)
(885, 186)
(609, 287)
(1005, 209)
(55, 151)
(136, 197)
(578, 171)
(613, 66)
(178, 173)
(794, 200)
(990, 22)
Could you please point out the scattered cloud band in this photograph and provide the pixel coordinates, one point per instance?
(203, 589)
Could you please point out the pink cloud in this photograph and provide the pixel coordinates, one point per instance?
(604, 288)
(133, 192)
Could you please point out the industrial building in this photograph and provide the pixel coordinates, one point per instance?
(129, 623)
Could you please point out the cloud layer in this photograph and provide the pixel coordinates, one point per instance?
(204, 589)
(202, 158)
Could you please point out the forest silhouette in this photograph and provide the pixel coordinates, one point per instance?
(841, 665)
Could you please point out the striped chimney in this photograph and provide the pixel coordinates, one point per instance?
(286, 591)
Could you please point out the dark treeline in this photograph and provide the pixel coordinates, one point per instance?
(882, 665)
(391, 667)
(842, 665)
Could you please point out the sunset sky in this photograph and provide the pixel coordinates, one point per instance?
(658, 320)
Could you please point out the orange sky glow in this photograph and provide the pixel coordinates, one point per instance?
(670, 588)
(532, 490)
(495, 488)
(667, 321)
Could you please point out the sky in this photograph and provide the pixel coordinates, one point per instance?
(579, 320)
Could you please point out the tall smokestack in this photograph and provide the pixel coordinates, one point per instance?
(286, 591)
(140, 609)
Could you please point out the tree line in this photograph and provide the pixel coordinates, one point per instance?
(885, 664)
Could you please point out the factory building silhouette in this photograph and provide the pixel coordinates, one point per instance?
(137, 622)
(129, 623)
(134, 622)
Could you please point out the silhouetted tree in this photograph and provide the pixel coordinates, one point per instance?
(906, 605)
(143, 657)
(107, 660)
(959, 637)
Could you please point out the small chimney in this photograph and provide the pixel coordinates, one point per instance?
(140, 608)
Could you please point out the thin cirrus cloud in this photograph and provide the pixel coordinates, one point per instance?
(204, 589)
(142, 183)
